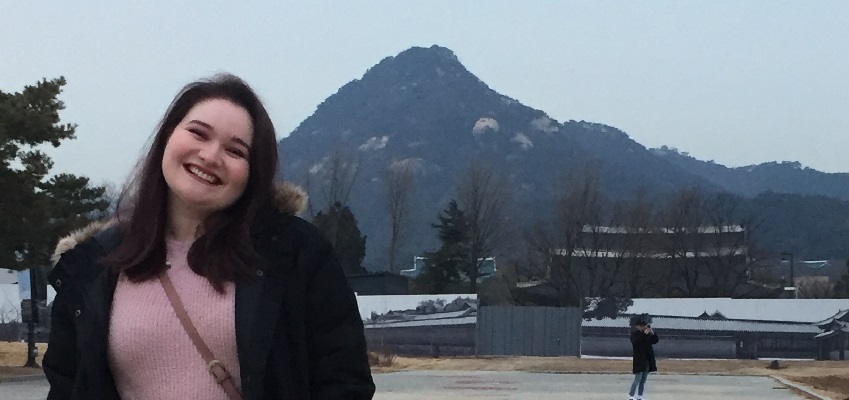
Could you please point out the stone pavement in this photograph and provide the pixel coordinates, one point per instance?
(456, 385)
(26, 390)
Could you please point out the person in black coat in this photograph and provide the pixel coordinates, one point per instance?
(642, 340)
(208, 180)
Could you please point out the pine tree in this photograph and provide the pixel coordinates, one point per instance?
(340, 226)
(35, 210)
(442, 272)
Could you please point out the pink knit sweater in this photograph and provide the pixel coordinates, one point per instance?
(150, 355)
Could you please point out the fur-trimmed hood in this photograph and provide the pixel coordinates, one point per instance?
(289, 199)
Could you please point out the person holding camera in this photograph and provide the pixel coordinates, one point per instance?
(642, 340)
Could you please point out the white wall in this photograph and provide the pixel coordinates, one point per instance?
(10, 298)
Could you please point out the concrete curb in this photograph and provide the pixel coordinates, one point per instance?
(802, 388)
(22, 378)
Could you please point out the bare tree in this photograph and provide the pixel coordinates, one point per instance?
(333, 179)
(815, 287)
(10, 324)
(682, 219)
(485, 198)
(729, 241)
(399, 186)
(599, 268)
(551, 262)
(567, 245)
(635, 219)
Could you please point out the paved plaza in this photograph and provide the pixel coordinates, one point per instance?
(462, 385)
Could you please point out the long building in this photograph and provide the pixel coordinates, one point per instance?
(729, 328)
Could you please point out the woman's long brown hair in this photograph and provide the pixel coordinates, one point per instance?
(224, 250)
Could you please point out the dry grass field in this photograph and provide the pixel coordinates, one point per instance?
(14, 355)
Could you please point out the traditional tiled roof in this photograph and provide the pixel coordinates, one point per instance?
(840, 327)
(842, 315)
(709, 325)
(787, 310)
(471, 320)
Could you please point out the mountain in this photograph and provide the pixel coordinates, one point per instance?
(425, 107)
(627, 165)
(798, 209)
(749, 181)
(812, 227)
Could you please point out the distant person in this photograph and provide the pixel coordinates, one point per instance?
(642, 340)
(205, 285)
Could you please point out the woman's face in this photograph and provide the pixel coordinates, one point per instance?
(205, 163)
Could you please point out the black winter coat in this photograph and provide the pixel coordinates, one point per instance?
(298, 330)
(643, 351)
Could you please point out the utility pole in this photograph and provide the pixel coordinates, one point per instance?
(32, 351)
(792, 274)
(36, 293)
(792, 271)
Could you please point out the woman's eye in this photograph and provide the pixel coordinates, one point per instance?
(236, 152)
(197, 133)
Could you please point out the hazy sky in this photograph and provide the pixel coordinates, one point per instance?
(735, 82)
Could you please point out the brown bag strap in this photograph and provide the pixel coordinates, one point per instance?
(215, 367)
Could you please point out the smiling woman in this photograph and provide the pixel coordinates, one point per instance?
(193, 187)
(204, 163)
(205, 284)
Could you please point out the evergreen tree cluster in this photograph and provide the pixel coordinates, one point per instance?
(36, 208)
